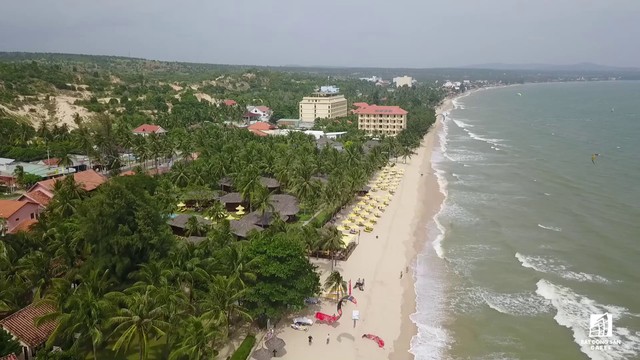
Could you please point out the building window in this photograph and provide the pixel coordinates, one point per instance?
(33, 216)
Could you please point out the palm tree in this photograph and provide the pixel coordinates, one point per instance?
(198, 339)
(140, 317)
(194, 227)
(8, 345)
(406, 153)
(224, 300)
(81, 311)
(216, 211)
(335, 284)
(261, 201)
(331, 239)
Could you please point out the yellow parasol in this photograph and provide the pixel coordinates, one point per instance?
(361, 203)
(240, 209)
(231, 217)
(181, 204)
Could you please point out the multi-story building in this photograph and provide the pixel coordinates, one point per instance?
(327, 103)
(378, 120)
(403, 81)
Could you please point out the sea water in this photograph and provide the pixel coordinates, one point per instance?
(533, 237)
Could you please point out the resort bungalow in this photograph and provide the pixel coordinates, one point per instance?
(250, 117)
(147, 129)
(260, 128)
(178, 223)
(242, 228)
(229, 102)
(285, 205)
(17, 215)
(42, 192)
(232, 200)
(264, 220)
(21, 325)
(226, 184)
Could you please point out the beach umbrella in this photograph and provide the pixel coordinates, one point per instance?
(230, 217)
(353, 215)
(181, 204)
(275, 343)
(280, 352)
(340, 228)
(262, 354)
(361, 203)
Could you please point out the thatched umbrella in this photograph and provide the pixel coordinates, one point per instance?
(262, 354)
(280, 352)
(275, 343)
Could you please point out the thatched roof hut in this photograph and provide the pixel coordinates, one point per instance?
(265, 220)
(285, 205)
(180, 221)
(241, 228)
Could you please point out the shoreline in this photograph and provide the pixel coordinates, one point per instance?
(388, 300)
(428, 190)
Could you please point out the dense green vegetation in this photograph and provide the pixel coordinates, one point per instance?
(244, 350)
(108, 261)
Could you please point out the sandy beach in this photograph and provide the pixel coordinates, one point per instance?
(387, 300)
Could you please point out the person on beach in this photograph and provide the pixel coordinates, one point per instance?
(275, 352)
(400, 274)
(328, 338)
(310, 339)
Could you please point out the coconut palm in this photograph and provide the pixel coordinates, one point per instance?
(335, 284)
(216, 211)
(199, 335)
(140, 317)
(331, 240)
(194, 227)
(261, 200)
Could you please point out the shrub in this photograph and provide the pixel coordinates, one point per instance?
(244, 350)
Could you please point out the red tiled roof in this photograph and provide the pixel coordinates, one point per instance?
(148, 129)
(258, 132)
(89, 180)
(261, 126)
(382, 110)
(51, 162)
(9, 207)
(128, 173)
(230, 102)
(24, 226)
(21, 324)
(37, 196)
(250, 114)
(9, 357)
(360, 104)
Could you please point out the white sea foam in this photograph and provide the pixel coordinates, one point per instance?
(573, 312)
(552, 228)
(518, 304)
(461, 124)
(432, 339)
(551, 266)
(494, 142)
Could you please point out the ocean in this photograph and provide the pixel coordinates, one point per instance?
(535, 244)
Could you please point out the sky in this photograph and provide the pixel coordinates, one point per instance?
(356, 33)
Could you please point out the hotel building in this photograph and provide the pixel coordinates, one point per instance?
(325, 104)
(378, 120)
